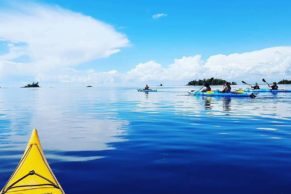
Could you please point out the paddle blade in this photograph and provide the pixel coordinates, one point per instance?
(253, 95)
(210, 80)
(263, 80)
(244, 82)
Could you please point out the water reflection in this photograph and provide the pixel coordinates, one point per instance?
(82, 119)
(66, 121)
(265, 104)
(226, 104)
(207, 103)
(168, 134)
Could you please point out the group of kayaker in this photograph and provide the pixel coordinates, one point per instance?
(227, 87)
(274, 86)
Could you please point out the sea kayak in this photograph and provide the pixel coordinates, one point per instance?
(267, 90)
(33, 174)
(220, 94)
(149, 90)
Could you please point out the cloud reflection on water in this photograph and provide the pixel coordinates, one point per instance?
(75, 120)
(67, 122)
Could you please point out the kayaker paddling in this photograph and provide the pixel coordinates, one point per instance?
(256, 86)
(274, 86)
(146, 87)
(206, 88)
(226, 88)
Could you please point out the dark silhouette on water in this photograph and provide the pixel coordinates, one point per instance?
(89, 86)
(146, 87)
(33, 85)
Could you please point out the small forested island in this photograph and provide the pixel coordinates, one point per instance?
(211, 81)
(33, 85)
(284, 81)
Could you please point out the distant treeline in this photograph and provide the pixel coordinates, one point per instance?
(284, 81)
(33, 85)
(211, 81)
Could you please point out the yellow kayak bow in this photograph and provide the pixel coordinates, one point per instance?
(33, 174)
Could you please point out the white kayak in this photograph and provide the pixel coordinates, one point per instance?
(149, 90)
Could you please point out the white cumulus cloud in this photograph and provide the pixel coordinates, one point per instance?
(41, 38)
(149, 71)
(182, 69)
(273, 63)
(159, 15)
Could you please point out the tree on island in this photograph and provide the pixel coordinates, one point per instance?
(284, 81)
(211, 81)
(33, 85)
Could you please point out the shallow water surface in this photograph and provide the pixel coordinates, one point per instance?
(118, 140)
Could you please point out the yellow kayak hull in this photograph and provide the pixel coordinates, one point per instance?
(33, 174)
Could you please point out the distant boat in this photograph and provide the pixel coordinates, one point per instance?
(89, 86)
(146, 90)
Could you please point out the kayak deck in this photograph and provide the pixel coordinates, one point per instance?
(267, 90)
(149, 90)
(220, 94)
(33, 174)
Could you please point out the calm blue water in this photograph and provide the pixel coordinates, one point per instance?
(120, 141)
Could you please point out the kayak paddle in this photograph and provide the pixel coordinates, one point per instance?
(246, 83)
(210, 81)
(252, 95)
(266, 82)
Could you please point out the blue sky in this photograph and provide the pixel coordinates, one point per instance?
(190, 27)
(203, 26)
